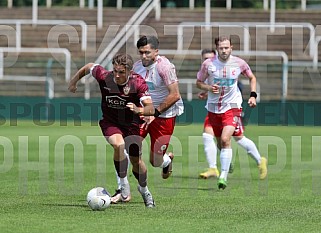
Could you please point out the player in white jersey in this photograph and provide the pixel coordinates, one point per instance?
(210, 149)
(160, 76)
(224, 103)
(208, 133)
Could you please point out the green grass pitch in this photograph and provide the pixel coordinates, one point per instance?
(46, 172)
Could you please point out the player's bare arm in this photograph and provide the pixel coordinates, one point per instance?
(83, 71)
(173, 96)
(215, 88)
(252, 99)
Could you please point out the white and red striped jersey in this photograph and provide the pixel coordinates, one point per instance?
(158, 76)
(226, 75)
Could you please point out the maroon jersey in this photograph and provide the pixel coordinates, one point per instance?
(115, 97)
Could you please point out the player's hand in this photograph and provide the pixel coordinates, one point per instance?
(132, 107)
(148, 119)
(72, 87)
(202, 95)
(252, 102)
(215, 88)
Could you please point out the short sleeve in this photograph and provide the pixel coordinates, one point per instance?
(142, 90)
(245, 69)
(166, 70)
(202, 74)
(98, 72)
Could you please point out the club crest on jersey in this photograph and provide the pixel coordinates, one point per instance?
(126, 89)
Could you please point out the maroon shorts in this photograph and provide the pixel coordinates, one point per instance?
(133, 141)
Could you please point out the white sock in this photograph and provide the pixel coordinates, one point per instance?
(250, 148)
(117, 177)
(123, 181)
(210, 150)
(226, 158)
(143, 189)
(126, 154)
(166, 161)
(118, 181)
(124, 192)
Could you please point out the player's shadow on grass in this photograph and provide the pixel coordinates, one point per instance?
(188, 188)
(118, 206)
(211, 183)
(67, 205)
(186, 177)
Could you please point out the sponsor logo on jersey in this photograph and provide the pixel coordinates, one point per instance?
(225, 82)
(115, 102)
(150, 85)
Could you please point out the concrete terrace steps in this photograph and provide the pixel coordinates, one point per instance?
(168, 15)
(67, 13)
(166, 31)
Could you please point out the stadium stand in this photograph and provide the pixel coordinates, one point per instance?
(303, 83)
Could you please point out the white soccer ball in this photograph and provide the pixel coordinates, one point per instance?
(98, 198)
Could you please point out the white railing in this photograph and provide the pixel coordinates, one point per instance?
(316, 54)
(229, 7)
(121, 38)
(48, 80)
(191, 82)
(272, 16)
(246, 26)
(119, 4)
(280, 54)
(81, 3)
(157, 7)
(91, 4)
(63, 51)
(303, 5)
(10, 3)
(128, 30)
(100, 14)
(229, 4)
(285, 61)
(34, 11)
(18, 22)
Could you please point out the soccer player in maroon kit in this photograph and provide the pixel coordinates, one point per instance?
(160, 76)
(125, 97)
